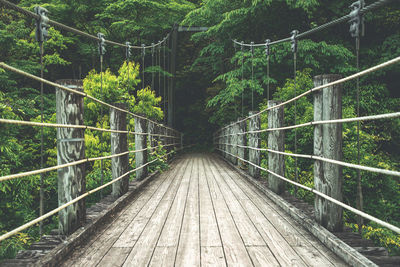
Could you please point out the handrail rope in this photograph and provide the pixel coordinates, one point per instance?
(337, 162)
(55, 125)
(37, 220)
(45, 216)
(356, 211)
(54, 168)
(340, 81)
(334, 22)
(365, 118)
(18, 71)
(73, 30)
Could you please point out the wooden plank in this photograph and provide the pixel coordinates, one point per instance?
(170, 233)
(212, 256)
(188, 253)
(163, 256)
(94, 251)
(144, 247)
(114, 257)
(299, 239)
(132, 233)
(165, 252)
(209, 233)
(262, 256)
(247, 230)
(234, 249)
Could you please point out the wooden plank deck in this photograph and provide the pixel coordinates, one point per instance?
(202, 213)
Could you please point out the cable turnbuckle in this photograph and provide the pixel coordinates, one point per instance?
(294, 40)
(42, 24)
(356, 21)
(101, 43)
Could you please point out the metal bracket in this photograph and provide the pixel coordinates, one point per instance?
(143, 50)
(293, 39)
(252, 48)
(356, 19)
(267, 47)
(128, 50)
(42, 24)
(101, 43)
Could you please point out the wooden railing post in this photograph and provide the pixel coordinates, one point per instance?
(254, 141)
(229, 142)
(119, 144)
(70, 148)
(181, 137)
(150, 131)
(328, 144)
(234, 141)
(140, 144)
(242, 126)
(276, 141)
(225, 141)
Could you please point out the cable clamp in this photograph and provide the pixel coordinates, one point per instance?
(356, 19)
(101, 43)
(42, 24)
(294, 41)
(128, 50)
(267, 47)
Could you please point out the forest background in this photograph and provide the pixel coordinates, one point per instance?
(212, 74)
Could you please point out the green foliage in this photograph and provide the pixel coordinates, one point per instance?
(147, 104)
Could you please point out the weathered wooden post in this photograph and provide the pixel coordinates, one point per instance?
(181, 139)
(254, 141)
(223, 142)
(151, 137)
(70, 148)
(119, 144)
(242, 126)
(229, 142)
(140, 144)
(276, 141)
(234, 141)
(328, 144)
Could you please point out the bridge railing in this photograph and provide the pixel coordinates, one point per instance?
(240, 141)
(151, 141)
(148, 137)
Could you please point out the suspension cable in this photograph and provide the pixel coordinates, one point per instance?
(41, 200)
(252, 77)
(343, 19)
(241, 48)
